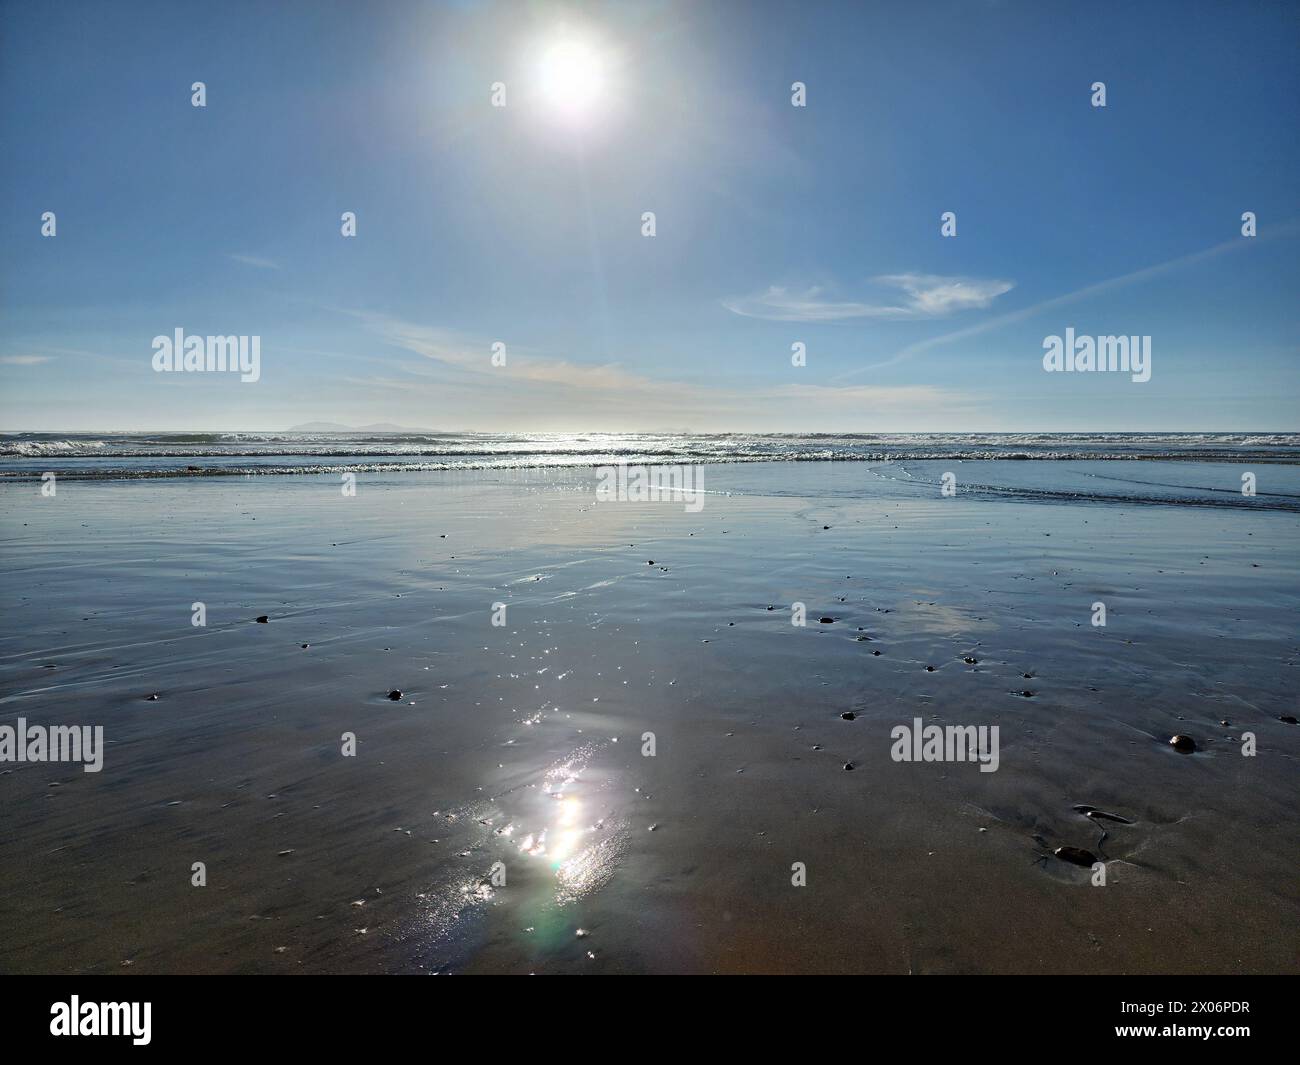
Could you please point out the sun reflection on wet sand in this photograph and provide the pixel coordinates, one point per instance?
(592, 868)
(581, 853)
(563, 824)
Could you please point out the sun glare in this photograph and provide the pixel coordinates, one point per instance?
(573, 78)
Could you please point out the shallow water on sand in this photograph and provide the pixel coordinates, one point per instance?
(522, 744)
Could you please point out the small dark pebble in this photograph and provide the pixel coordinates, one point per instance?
(929, 669)
(875, 652)
(1183, 744)
(651, 562)
(1076, 856)
(263, 620)
(1287, 718)
(1025, 694)
(394, 695)
(848, 765)
(152, 698)
(849, 716)
(827, 621)
(970, 661)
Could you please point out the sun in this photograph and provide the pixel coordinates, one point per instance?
(574, 79)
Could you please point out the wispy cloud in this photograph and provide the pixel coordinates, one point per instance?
(455, 374)
(1289, 229)
(913, 296)
(473, 356)
(931, 296)
(24, 360)
(255, 260)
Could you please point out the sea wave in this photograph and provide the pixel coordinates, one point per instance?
(265, 453)
(36, 448)
(1176, 495)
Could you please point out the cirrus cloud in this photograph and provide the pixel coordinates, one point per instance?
(911, 296)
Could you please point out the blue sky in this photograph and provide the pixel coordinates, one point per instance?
(774, 224)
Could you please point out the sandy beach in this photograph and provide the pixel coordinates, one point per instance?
(502, 814)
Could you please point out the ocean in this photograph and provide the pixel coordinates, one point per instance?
(1203, 469)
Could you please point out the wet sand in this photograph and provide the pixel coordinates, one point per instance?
(679, 862)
